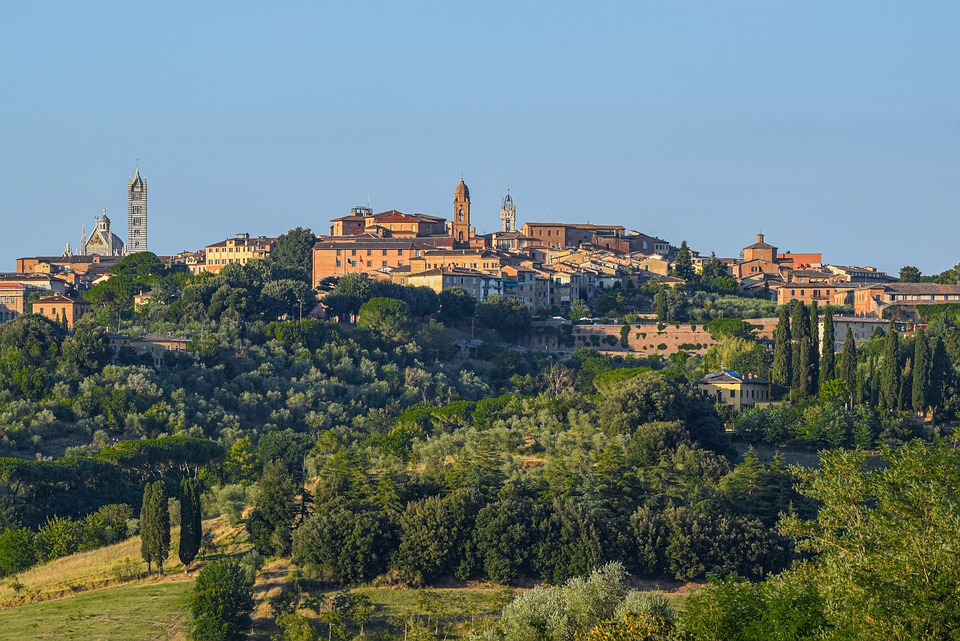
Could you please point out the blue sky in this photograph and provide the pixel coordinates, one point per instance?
(828, 126)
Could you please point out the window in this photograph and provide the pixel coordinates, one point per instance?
(733, 393)
(353, 252)
(384, 263)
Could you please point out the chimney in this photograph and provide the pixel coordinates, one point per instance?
(759, 238)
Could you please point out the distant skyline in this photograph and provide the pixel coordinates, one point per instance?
(831, 127)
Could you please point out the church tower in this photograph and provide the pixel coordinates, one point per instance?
(461, 215)
(508, 214)
(136, 214)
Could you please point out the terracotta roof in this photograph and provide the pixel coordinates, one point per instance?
(60, 298)
(921, 288)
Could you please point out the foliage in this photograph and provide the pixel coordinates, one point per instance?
(271, 523)
(222, 602)
(191, 522)
(509, 316)
(155, 525)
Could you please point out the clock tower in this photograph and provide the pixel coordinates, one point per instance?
(461, 215)
(136, 214)
(508, 214)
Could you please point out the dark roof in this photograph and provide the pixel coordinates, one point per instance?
(730, 376)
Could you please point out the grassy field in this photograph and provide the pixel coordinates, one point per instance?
(105, 567)
(147, 611)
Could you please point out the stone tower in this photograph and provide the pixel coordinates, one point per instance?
(461, 214)
(136, 214)
(508, 214)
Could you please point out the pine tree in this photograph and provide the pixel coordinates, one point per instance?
(683, 267)
(848, 361)
(191, 528)
(814, 348)
(890, 373)
(147, 528)
(827, 355)
(782, 350)
(161, 523)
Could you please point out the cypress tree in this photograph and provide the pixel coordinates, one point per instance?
(921, 373)
(940, 369)
(782, 350)
(890, 373)
(147, 528)
(161, 524)
(191, 528)
(801, 348)
(827, 355)
(661, 303)
(848, 361)
(814, 347)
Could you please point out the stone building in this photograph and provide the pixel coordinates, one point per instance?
(102, 241)
(508, 214)
(136, 214)
(460, 227)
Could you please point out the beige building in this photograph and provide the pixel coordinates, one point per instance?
(862, 328)
(11, 300)
(735, 390)
(240, 249)
(478, 284)
(874, 299)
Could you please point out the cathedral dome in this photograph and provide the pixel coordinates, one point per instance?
(462, 193)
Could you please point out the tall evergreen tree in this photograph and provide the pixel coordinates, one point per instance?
(191, 527)
(147, 529)
(782, 350)
(683, 266)
(161, 521)
(827, 355)
(890, 373)
(660, 299)
(800, 325)
(940, 372)
(814, 347)
(848, 361)
(921, 373)
(271, 523)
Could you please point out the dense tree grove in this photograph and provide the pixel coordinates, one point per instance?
(374, 447)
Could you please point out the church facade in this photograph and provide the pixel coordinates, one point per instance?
(103, 242)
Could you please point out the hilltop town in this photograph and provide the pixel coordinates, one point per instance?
(550, 267)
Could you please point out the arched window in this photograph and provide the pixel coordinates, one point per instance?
(461, 214)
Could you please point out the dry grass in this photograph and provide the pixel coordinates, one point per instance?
(108, 566)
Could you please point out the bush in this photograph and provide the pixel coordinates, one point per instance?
(230, 501)
(58, 537)
(222, 602)
(17, 551)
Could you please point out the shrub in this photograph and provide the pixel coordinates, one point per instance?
(222, 602)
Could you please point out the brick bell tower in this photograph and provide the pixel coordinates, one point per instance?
(460, 228)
